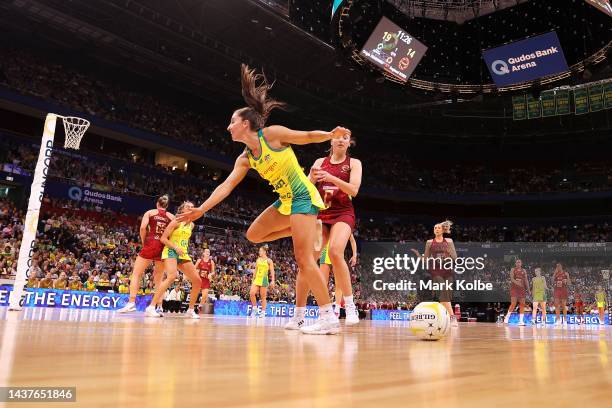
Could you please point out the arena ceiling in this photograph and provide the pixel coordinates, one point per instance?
(197, 46)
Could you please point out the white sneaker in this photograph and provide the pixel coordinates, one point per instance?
(129, 307)
(318, 244)
(521, 323)
(151, 312)
(323, 325)
(506, 319)
(558, 323)
(337, 310)
(191, 314)
(454, 322)
(295, 323)
(352, 315)
(261, 314)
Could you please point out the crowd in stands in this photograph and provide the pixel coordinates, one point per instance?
(84, 246)
(83, 249)
(35, 75)
(461, 177)
(107, 174)
(54, 82)
(126, 178)
(11, 229)
(97, 253)
(398, 231)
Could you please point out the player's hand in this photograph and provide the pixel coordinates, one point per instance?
(353, 261)
(322, 175)
(179, 251)
(339, 132)
(190, 215)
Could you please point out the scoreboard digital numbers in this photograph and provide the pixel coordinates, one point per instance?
(394, 50)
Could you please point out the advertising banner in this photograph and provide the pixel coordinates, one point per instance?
(244, 308)
(73, 299)
(525, 60)
(104, 199)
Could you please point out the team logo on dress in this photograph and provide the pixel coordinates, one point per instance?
(267, 158)
(346, 168)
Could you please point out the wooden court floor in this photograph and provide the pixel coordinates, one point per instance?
(130, 361)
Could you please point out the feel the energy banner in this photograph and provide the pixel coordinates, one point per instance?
(243, 308)
(525, 60)
(73, 299)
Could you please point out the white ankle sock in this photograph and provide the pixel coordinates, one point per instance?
(326, 310)
(348, 300)
(300, 311)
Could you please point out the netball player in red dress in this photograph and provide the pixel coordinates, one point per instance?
(561, 281)
(338, 178)
(518, 289)
(206, 269)
(441, 247)
(579, 306)
(152, 226)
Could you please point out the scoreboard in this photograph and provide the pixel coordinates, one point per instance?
(393, 49)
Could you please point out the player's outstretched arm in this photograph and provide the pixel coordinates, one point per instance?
(299, 137)
(241, 168)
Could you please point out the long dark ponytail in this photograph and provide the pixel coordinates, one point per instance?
(256, 97)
